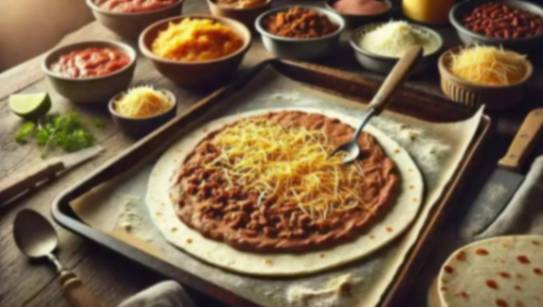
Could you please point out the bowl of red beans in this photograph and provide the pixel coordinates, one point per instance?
(91, 71)
(513, 24)
(128, 18)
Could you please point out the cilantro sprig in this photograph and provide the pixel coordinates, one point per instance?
(53, 131)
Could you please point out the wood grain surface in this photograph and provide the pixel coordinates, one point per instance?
(106, 274)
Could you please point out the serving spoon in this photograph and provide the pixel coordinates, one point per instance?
(36, 238)
(379, 101)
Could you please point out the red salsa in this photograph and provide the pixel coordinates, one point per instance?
(133, 6)
(91, 62)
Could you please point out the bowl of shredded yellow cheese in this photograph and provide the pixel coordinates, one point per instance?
(195, 51)
(489, 75)
(141, 109)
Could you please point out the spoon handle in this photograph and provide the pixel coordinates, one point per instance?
(76, 293)
(395, 78)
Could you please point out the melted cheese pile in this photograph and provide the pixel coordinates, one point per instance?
(196, 39)
(292, 165)
(142, 102)
(488, 65)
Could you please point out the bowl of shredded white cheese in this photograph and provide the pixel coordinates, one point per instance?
(378, 46)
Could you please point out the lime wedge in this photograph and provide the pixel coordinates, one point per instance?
(30, 106)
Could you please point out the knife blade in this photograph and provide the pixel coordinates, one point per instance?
(50, 169)
(505, 179)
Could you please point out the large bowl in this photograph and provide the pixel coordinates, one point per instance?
(495, 97)
(383, 64)
(300, 48)
(196, 73)
(530, 45)
(94, 89)
(137, 127)
(130, 25)
(358, 20)
(246, 16)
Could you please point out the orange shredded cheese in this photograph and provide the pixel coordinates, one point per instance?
(196, 39)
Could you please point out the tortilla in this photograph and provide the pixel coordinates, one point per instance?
(395, 222)
(501, 271)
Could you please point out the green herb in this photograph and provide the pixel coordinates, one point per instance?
(24, 132)
(66, 132)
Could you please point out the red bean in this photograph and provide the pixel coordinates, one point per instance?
(499, 20)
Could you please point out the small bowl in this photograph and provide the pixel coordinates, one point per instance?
(495, 97)
(246, 16)
(531, 44)
(198, 73)
(357, 20)
(383, 64)
(138, 127)
(300, 48)
(130, 25)
(94, 89)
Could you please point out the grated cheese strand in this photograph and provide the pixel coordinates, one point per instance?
(292, 165)
(488, 65)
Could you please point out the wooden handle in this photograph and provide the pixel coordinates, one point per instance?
(28, 180)
(524, 141)
(395, 78)
(76, 293)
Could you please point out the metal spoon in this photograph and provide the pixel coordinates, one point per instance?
(377, 104)
(36, 238)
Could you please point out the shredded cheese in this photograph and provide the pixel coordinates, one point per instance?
(142, 102)
(292, 165)
(395, 37)
(196, 39)
(488, 65)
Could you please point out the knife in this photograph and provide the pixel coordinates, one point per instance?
(47, 170)
(506, 178)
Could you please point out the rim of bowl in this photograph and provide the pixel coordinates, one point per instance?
(148, 53)
(329, 4)
(445, 69)
(339, 21)
(91, 4)
(453, 18)
(359, 32)
(112, 105)
(109, 43)
(237, 9)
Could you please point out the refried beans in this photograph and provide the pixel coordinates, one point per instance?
(239, 216)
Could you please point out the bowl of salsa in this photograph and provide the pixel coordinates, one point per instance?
(91, 71)
(127, 18)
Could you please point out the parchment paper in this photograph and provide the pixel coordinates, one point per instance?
(117, 207)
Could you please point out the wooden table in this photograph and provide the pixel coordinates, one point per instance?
(108, 275)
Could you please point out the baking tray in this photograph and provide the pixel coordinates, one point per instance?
(413, 102)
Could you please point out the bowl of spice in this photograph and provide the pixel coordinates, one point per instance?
(476, 75)
(300, 32)
(513, 24)
(244, 11)
(378, 46)
(196, 51)
(127, 18)
(90, 71)
(141, 109)
(358, 12)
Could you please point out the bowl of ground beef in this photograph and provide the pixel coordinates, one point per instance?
(301, 32)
